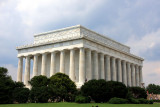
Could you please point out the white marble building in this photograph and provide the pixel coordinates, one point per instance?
(80, 53)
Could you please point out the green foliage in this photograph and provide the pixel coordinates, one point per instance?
(62, 88)
(82, 99)
(39, 81)
(104, 90)
(117, 101)
(39, 94)
(133, 101)
(21, 95)
(143, 101)
(97, 89)
(116, 89)
(152, 88)
(6, 87)
(138, 92)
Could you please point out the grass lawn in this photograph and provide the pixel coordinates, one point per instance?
(79, 105)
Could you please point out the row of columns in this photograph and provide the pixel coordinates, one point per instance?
(110, 68)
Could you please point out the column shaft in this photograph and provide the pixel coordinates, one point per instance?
(72, 65)
(107, 68)
(35, 65)
(44, 64)
(88, 65)
(137, 76)
(119, 71)
(114, 73)
(140, 76)
(62, 61)
(82, 66)
(27, 71)
(20, 69)
(124, 73)
(102, 66)
(95, 65)
(128, 74)
(133, 75)
(53, 64)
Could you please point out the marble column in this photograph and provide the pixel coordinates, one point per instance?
(53, 64)
(88, 65)
(102, 76)
(20, 69)
(82, 66)
(44, 64)
(114, 73)
(124, 73)
(27, 71)
(62, 61)
(95, 65)
(107, 68)
(137, 75)
(35, 65)
(72, 65)
(119, 70)
(133, 75)
(140, 76)
(128, 74)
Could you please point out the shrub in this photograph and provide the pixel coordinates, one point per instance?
(116, 100)
(133, 101)
(143, 101)
(150, 102)
(82, 99)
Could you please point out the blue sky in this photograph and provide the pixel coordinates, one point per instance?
(135, 23)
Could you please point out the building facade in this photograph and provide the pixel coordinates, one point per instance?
(80, 53)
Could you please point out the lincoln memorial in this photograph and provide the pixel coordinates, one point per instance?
(80, 53)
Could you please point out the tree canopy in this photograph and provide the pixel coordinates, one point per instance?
(152, 88)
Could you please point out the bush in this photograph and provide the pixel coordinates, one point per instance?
(150, 102)
(116, 100)
(82, 99)
(155, 100)
(143, 101)
(133, 101)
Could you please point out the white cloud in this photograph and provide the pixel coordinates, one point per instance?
(148, 41)
(12, 71)
(151, 72)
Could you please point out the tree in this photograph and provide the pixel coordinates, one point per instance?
(152, 88)
(62, 87)
(6, 87)
(39, 92)
(104, 90)
(39, 81)
(21, 95)
(138, 92)
(96, 89)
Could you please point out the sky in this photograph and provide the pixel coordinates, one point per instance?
(135, 23)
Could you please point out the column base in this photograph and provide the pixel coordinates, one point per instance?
(78, 84)
(28, 86)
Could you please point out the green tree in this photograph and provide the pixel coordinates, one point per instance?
(39, 92)
(39, 81)
(152, 88)
(62, 87)
(138, 92)
(102, 91)
(6, 87)
(21, 95)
